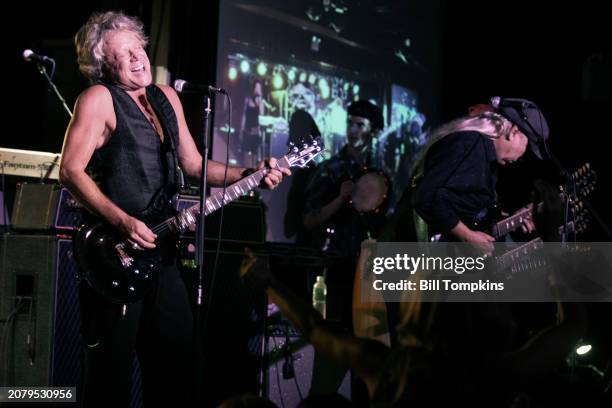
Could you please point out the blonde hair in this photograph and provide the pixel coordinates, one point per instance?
(491, 124)
(89, 40)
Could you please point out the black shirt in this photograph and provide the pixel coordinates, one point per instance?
(350, 226)
(458, 182)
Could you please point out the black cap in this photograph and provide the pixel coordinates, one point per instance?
(527, 117)
(368, 110)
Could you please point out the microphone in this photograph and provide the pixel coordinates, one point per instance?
(30, 55)
(182, 86)
(499, 102)
(495, 102)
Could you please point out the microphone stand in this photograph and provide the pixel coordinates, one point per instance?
(43, 72)
(199, 252)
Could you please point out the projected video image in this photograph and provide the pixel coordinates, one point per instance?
(401, 141)
(267, 94)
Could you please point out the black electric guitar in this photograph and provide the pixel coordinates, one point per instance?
(123, 273)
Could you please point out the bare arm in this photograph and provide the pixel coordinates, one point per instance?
(89, 129)
(191, 159)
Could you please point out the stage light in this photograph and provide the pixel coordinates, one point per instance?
(312, 15)
(346, 86)
(583, 349)
(312, 79)
(335, 27)
(355, 89)
(400, 54)
(262, 69)
(245, 66)
(291, 75)
(232, 73)
(277, 81)
(324, 88)
(407, 42)
(302, 77)
(314, 43)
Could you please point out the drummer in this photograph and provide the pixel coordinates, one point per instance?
(339, 225)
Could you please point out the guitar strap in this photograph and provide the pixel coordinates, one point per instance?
(174, 174)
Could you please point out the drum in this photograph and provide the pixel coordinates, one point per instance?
(370, 192)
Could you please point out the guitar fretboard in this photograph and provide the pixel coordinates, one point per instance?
(514, 221)
(516, 254)
(232, 192)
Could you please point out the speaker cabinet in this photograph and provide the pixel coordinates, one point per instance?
(35, 205)
(40, 312)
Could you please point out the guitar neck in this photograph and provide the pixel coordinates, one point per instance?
(527, 248)
(519, 252)
(232, 192)
(513, 222)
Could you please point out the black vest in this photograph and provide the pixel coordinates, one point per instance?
(135, 169)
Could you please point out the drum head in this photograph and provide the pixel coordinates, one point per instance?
(370, 192)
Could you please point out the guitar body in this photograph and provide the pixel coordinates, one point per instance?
(111, 267)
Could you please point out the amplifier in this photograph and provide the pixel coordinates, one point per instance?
(244, 220)
(69, 213)
(34, 207)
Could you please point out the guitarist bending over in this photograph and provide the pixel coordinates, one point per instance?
(454, 180)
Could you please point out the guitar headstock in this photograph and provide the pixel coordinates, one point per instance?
(580, 219)
(583, 182)
(304, 152)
